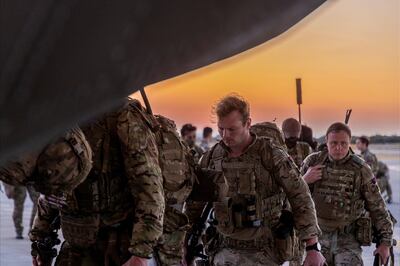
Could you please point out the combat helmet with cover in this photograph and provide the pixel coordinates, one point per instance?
(57, 168)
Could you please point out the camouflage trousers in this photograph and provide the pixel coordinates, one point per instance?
(341, 249)
(19, 200)
(69, 256)
(110, 248)
(94, 256)
(231, 257)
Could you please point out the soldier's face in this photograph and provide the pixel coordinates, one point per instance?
(338, 144)
(360, 146)
(190, 138)
(232, 129)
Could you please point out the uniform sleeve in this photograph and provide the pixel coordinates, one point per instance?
(308, 150)
(297, 192)
(16, 173)
(308, 161)
(376, 206)
(145, 180)
(372, 161)
(45, 215)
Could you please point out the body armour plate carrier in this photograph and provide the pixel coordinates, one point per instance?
(337, 195)
(254, 199)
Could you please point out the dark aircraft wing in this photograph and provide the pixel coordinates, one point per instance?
(64, 61)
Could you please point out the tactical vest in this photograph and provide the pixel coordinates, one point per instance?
(104, 198)
(254, 199)
(176, 163)
(337, 196)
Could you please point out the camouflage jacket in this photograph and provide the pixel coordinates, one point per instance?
(125, 181)
(299, 152)
(346, 190)
(371, 160)
(266, 172)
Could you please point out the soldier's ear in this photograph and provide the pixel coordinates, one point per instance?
(248, 123)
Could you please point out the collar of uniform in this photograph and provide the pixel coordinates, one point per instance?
(365, 152)
(341, 161)
(228, 150)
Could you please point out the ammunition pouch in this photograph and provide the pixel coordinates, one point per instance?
(285, 239)
(175, 220)
(363, 231)
(224, 216)
(80, 232)
(256, 244)
(245, 213)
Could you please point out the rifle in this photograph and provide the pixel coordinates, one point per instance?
(194, 249)
(44, 248)
(347, 117)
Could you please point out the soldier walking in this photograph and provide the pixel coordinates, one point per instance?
(298, 150)
(362, 144)
(343, 189)
(252, 225)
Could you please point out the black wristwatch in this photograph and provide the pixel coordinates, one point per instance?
(315, 246)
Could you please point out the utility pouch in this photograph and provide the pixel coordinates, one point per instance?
(80, 232)
(364, 231)
(285, 238)
(224, 216)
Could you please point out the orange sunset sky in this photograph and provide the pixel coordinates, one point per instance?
(346, 52)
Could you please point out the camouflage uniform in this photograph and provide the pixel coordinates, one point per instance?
(371, 160)
(341, 198)
(383, 181)
(19, 200)
(177, 166)
(299, 152)
(197, 152)
(118, 210)
(258, 182)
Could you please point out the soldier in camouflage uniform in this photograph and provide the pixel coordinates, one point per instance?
(188, 133)
(343, 188)
(383, 181)
(19, 196)
(259, 176)
(116, 215)
(298, 150)
(362, 144)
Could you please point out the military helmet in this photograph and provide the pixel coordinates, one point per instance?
(291, 128)
(60, 167)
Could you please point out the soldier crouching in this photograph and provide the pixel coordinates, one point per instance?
(115, 216)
